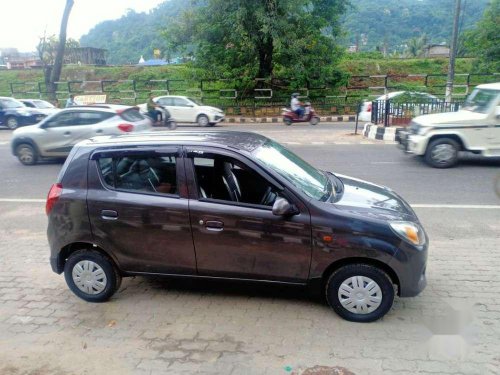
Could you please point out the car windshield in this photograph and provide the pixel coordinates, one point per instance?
(11, 103)
(42, 104)
(480, 100)
(301, 174)
(196, 101)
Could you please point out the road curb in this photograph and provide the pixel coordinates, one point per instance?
(271, 120)
(381, 133)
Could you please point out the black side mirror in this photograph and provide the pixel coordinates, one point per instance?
(282, 207)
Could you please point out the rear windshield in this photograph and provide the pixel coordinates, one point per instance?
(131, 115)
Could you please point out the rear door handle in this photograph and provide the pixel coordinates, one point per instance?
(216, 226)
(109, 214)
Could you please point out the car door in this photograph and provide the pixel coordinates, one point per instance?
(64, 130)
(184, 110)
(168, 103)
(138, 208)
(243, 239)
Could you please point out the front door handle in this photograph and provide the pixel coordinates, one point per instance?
(215, 226)
(98, 131)
(67, 133)
(109, 214)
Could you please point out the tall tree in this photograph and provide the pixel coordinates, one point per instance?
(483, 41)
(260, 38)
(55, 73)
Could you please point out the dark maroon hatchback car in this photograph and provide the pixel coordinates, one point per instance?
(229, 205)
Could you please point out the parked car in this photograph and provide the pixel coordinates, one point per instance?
(13, 113)
(229, 205)
(57, 134)
(414, 98)
(475, 128)
(41, 105)
(184, 109)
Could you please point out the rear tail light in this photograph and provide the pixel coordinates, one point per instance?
(369, 107)
(53, 196)
(127, 128)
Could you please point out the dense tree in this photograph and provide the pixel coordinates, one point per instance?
(415, 47)
(483, 41)
(261, 37)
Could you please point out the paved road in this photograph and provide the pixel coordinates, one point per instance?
(156, 326)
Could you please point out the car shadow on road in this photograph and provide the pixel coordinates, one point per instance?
(236, 288)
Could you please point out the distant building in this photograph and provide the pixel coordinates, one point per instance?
(152, 62)
(85, 56)
(437, 50)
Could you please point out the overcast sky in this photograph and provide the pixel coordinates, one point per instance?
(24, 21)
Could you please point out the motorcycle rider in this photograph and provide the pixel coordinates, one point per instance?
(155, 114)
(296, 105)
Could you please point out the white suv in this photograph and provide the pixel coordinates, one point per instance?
(56, 135)
(184, 109)
(475, 128)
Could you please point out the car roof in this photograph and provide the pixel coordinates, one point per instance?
(491, 86)
(239, 140)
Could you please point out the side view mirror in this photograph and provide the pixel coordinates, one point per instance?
(282, 207)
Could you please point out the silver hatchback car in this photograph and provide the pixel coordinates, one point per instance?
(56, 135)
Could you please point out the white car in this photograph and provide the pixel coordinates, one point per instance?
(474, 128)
(41, 105)
(56, 135)
(184, 109)
(365, 113)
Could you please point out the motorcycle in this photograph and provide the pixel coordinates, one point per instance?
(310, 115)
(167, 120)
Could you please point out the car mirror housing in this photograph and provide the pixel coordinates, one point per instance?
(282, 207)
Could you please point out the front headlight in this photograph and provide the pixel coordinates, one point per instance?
(409, 231)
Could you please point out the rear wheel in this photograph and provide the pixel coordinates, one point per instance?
(26, 154)
(12, 123)
(442, 153)
(203, 120)
(91, 276)
(171, 124)
(360, 292)
(287, 121)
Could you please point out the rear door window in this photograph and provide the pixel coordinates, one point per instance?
(94, 117)
(147, 173)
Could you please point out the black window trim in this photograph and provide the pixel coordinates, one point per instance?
(114, 153)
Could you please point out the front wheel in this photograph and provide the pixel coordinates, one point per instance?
(171, 124)
(26, 154)
(442, 153)
(314, 120)
(91, 276)
(360, 292)
(287, 121)
(203, 120)
(12, 123)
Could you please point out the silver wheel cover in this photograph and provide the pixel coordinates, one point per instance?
(360, 295)
(203, 120)
(89, 277)
(12, 123)
(25, 154)
(443, 153)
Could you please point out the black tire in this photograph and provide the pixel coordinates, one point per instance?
(451, 149)
(212, 124)
(203, 120)
(375, 274)
(12, 122)
(172, 125)
(113, 278)
(314, 121)
(287, 121)
(26, 154)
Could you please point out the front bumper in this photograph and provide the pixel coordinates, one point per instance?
(217, 117)
(412, 143)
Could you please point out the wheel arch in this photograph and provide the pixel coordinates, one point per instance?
(457, 138)
(358, 260)
(71, 248)
(16, 142)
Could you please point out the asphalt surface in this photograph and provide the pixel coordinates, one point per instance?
(327, 146)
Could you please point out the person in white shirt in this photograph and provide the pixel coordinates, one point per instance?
(71, 102)
(297, 105)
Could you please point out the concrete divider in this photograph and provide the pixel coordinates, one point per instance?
(382, 133)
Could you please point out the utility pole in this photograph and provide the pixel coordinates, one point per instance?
(453, 52)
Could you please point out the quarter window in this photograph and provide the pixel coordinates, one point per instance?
(141, 173)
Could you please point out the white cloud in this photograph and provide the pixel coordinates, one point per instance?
(23, 22)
